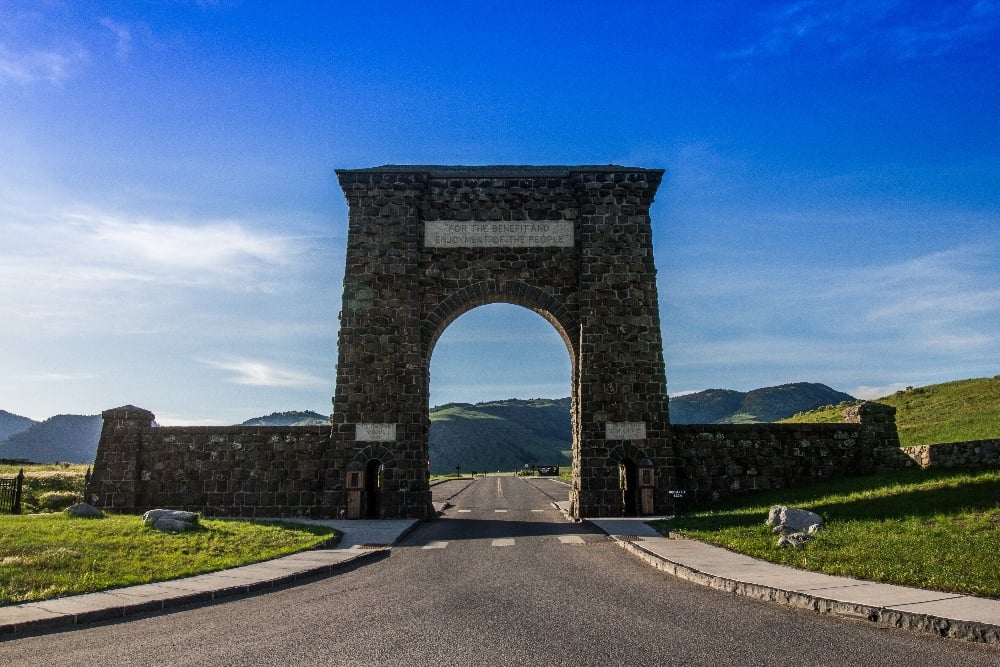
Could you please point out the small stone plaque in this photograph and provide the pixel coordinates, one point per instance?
(624, 430)
(375, 432)
(499, 234)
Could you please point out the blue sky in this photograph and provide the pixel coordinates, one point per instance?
(172, 233)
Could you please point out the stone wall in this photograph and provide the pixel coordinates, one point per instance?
(984, 453)
(716, 461)
(247, 471)
(300, 471)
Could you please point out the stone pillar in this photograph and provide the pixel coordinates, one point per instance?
(878, 439)
(113, 484)
(621, 382)
(381, 393)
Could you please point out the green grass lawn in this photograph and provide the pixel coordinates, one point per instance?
(949, 412)
(51, 555)
(936, 529)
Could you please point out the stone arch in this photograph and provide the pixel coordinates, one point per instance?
(375, 451)
(573, 244)
(625, 450)
(487, 292)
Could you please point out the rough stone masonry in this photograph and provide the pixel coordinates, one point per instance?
(574, 244)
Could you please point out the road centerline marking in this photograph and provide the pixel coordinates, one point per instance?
(503, 542)
(571, 539)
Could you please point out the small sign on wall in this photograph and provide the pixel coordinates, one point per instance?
(624, 430)
(375, 432)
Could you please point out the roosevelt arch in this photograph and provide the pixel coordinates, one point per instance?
(573, 244)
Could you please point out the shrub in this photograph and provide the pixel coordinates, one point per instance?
(57, 501)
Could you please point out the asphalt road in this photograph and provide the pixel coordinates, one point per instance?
(500, 579)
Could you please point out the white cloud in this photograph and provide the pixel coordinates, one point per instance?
(870, 393)
(182, 253)
(261, 374)
(947, 300)
(123, 36)
(901, 31)
(49, 65)
(72, 272)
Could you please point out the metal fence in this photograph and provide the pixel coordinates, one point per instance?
(10, 493)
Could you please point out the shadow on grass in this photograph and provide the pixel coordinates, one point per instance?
(965, 490)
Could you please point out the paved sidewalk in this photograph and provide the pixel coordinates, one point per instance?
(944, 614)
(362, 541)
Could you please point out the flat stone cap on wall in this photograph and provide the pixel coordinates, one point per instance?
(496, 171)
(129, 413)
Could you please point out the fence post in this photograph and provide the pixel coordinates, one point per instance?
(17, 492)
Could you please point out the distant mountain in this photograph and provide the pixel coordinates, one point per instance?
(725, 406)
(63, 438)
(11, 424)
(290, 418)
(500, 435)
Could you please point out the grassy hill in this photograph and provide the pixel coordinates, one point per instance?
(949, 412)
(500, 435)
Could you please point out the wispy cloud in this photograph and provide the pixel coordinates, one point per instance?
(929, 318)
(944, 300)
(68, 271)
(899, 30)
(260, 374)
(107, 248)
(869, 393)
(53, 65)
(123, 36)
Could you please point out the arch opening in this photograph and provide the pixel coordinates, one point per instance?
(500, 360)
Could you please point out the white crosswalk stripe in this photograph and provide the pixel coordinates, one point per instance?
(509, 542)
(435, 545)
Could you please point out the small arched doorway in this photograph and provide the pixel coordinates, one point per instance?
(628, 480)
(373, 488)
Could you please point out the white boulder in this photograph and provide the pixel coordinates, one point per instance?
(170, 521)
(790, 519)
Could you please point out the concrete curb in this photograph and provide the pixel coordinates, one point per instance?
(974, 631)
(62, 613)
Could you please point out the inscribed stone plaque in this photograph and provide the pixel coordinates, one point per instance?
(624, 430)
(375, 432)
(508, 234)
